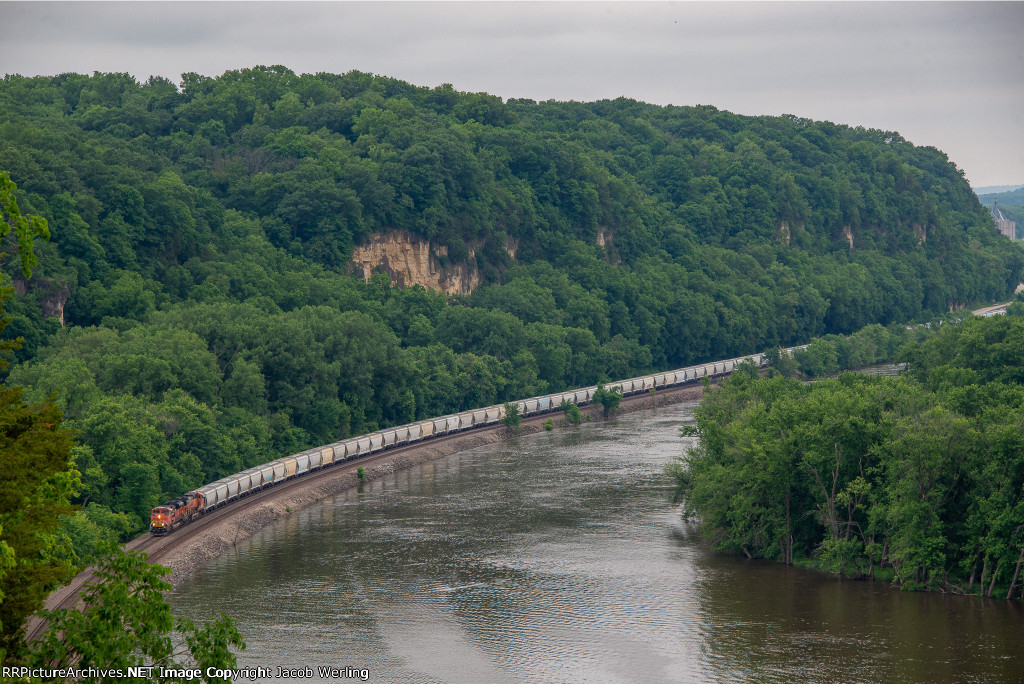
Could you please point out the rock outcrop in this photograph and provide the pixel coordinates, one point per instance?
(411, 260)
(782, 231)
(53, 295)
(606, 240)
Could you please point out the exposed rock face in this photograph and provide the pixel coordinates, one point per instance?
(848, 234)
(54, 295)
(606, 238)
(410, 260)
(782, 232)
(920, 232)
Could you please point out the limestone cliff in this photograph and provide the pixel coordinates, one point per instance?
(920, 232)
(53, 295)
(783, 231)
(606, 240)
(411, 260)
(848, 234)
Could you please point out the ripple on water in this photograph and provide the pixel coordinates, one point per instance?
(559, 558)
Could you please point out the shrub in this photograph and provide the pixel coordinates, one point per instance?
(572, 412)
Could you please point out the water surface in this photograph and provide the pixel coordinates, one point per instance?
(559, 557)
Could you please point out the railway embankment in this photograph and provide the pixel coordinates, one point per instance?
(191, 547)
(187, 550)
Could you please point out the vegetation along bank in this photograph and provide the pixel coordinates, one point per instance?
(918, 479)
(202, 306)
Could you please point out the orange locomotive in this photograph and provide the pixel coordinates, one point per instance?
(193, 505)
(176, 512)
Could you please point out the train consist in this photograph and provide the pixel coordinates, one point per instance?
(192, 505)
(176, 512)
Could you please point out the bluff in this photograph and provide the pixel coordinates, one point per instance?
(410, 260)
(215, 236)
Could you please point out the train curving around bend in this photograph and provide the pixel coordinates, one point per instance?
(194, 504)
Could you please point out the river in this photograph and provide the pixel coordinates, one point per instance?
(559, 557)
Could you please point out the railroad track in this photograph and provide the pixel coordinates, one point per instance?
(157, 548)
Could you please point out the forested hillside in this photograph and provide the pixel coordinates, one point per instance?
(919, 476)
(1015, 197)
(202, 237)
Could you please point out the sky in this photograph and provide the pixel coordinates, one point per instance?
(948, 75)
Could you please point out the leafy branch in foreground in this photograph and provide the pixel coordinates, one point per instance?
(125, 622)
(26, 228)
(38, 483)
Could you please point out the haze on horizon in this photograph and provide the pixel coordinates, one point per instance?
(947, 75)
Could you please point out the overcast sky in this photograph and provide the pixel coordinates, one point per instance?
(949, 75)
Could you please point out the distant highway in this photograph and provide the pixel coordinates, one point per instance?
(991, 310)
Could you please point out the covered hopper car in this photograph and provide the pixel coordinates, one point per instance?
(194, 504)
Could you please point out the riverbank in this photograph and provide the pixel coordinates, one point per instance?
(870, 472)
(199, 549)
(560, 558)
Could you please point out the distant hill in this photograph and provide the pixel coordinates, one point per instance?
(205, 237)
(1004, 198)
(992, 189)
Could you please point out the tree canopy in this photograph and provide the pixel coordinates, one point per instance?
(204, 232)
(918, 477)
(124, 622)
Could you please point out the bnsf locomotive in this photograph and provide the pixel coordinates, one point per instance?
(194, 504)
(176, 512)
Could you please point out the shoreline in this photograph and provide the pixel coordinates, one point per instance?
(186, 558)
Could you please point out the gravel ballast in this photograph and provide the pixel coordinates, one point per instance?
(197, 551)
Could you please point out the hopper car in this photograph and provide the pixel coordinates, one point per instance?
(190, 506)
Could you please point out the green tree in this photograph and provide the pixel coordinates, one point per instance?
(572, 412)
(922, 478)
(608, 399)
(125, 622)
(818, 358)
(780, 360)
(26, 227)
(511, 418)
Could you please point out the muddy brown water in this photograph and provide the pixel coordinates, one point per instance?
(559, 557)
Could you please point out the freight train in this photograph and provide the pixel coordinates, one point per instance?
(192, 505)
